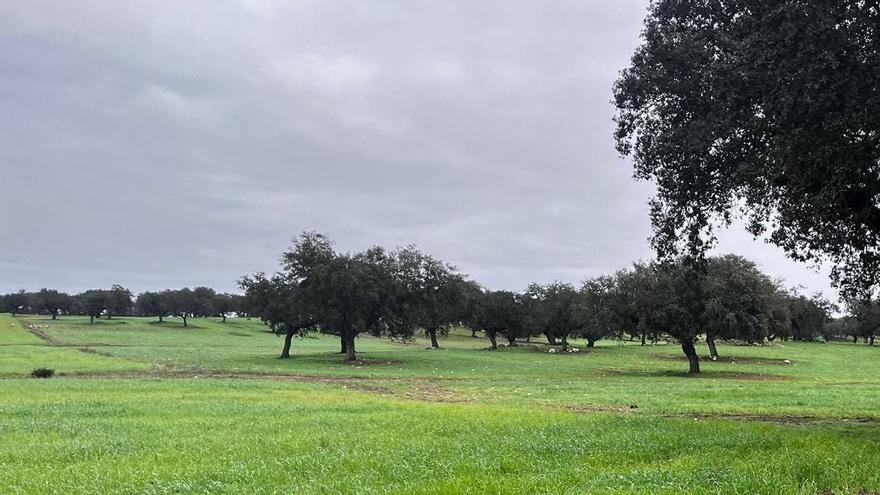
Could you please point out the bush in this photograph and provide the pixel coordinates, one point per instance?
(42, 373)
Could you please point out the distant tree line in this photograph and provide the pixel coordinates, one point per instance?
(403, 292)
(119, 301)
(399, 293)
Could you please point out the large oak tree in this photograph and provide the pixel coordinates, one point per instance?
(765, 108)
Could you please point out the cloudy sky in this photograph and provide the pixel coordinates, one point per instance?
(167, 144)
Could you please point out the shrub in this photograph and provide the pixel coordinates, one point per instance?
(42, 373)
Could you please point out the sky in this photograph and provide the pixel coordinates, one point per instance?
(161, 144)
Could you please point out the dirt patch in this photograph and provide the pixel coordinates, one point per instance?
(414, 388)
(433, 393)
(598, 408)
(91, 350)
(40, 332)
(783, 419)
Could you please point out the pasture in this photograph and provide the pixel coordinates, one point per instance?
(138, 407)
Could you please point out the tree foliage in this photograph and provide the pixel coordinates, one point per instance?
(766, 108)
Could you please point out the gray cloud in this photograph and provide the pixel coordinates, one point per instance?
(161, 144)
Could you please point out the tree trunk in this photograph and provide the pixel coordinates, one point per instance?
(713, 351)
(644, 337)
(224, 317)
(591, 343)
(341, 345)
(871, 339)
(285, 352)
(433, 333)
(511, 340)
(565, 342)
(184, 320)
(693, 359)
(54, 314)
(491, 336)
(160, 318)
(473, 333)
(350, 354)
(550, 338)
(855, 339)
(528, 338)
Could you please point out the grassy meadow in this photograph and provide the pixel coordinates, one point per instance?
(138, 407)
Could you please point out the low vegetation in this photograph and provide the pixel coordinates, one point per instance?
(208, 408)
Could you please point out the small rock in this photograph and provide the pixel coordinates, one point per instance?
(786, 361)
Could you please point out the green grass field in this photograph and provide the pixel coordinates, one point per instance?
(138, 407)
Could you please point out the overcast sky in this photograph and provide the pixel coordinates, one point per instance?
(167, 144)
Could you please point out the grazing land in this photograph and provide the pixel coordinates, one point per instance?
(139, 407)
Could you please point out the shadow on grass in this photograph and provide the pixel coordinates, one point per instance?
(704, 375)
(726, 359)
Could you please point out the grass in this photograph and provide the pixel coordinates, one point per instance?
(129, 415)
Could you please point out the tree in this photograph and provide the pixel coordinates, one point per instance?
(92, 303)
(158, 304)
(227, 303)
(778, 313)
(204, 299)
(473, 296)
(353, 294)
(678, 306)
(257, 295)
(53, 302)
(16, 302)
(118, 301)
(737, 298)
(182, 303)
(280, 302)
(534, 314)
(808, 315)
(595, 310)
(557, 310)
(765, 108)
(867, 320)
(340, 294)
(632, 300)
(838, 328)
(287, 302)
(433, 295)
(500, 312)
